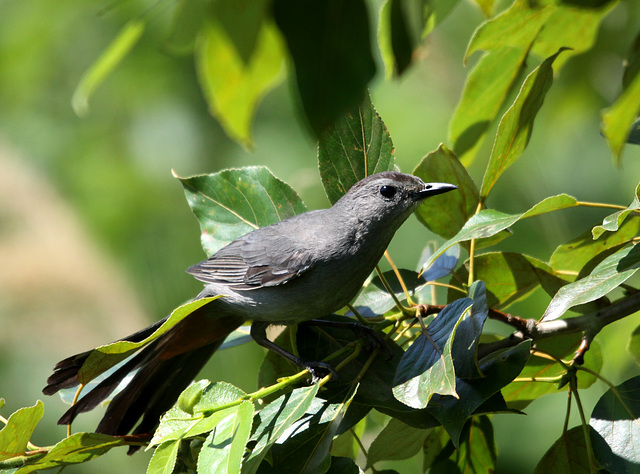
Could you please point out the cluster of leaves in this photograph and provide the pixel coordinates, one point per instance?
(444, 377)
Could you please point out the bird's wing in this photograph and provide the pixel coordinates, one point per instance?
(257, 260)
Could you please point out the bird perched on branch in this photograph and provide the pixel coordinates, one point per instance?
(304, 267)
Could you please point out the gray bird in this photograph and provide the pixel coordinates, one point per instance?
(301, 268)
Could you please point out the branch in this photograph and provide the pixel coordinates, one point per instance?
(590, 324)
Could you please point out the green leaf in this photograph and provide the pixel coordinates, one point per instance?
(374, 299)
(442, 266)
(498, 368)
(274, 420)
(356, 146)
(329, 43)
(433, 446)
(104, 357)
(200, 408)
(608, 275)
(618, 119)
(16, 433)
(465, 344)
(223, 449)
(306, 446)
(77, 448)
(427, 366)
(573, 255)
(396, 441)
(477, 452)
(232, 86)
(616, 417)
(485, 90)
(541, 375)
(242, 21)
(105, 64)
(233, 202)
(633, 346)
(568, 454)
(164, 458)
(490, 222)
(519, 25)
(510, 277)
(445, 216)
(516, 125)
(570, 27)
(613, 221)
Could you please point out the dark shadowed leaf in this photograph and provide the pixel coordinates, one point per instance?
(541, 374)
(516, 125)
(616, 417)
(445, 215)
(633, 346)
(465, 344)
(499, 369)
(329, 43)
(608, 275)
(356, 146)
(477, 452)
(396, 441)
(17, 431)
(567, 455)
(234, 202)
(427, 366)
(442, 266)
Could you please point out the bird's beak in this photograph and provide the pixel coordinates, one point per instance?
(431, 189)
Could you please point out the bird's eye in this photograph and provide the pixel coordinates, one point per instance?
(387, 191)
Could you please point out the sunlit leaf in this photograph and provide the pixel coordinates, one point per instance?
(520, 23)
(16, 433)
(77, 448)
(273, 421)
(233, 202)
(574, 254)
(616, 417)
(232, 86)
(609, 274)
(105, 64)
(613, 221)
(445, 215)
(104, 357)
(485, 90)
(490, 222)
(224, 447)
(427, 366)
(356, 146)
(329, 43)
(164, 458)
(541, 375)
(516, 125)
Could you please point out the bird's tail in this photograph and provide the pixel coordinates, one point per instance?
(165, 367)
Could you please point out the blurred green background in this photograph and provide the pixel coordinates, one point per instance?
(95, 233)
